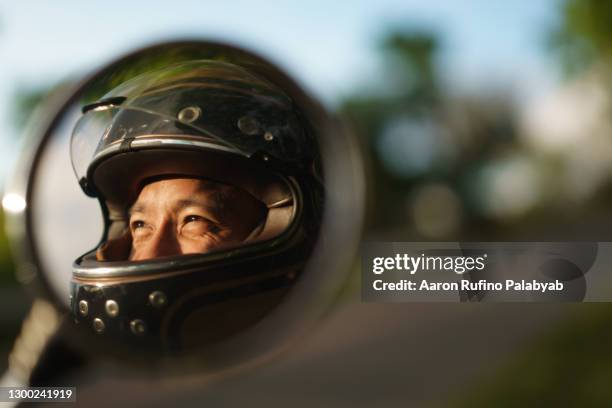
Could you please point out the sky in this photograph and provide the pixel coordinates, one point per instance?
(330, 47)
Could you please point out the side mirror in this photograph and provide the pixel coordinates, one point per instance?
(185, 310)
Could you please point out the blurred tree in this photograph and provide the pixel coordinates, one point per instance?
(24, 103)
(408, 91)
(417, 134)
(570, 366)
(583, 34)
(412, 60)
(7, 267)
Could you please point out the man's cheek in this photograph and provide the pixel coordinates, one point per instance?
(199, 245)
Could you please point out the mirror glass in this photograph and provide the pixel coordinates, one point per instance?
(179, 199)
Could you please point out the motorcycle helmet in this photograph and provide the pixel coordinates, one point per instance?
(204, 120)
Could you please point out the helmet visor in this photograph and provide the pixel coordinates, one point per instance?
(207, 100)
(110, 130)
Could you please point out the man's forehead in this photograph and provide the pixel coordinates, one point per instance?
(182, 181)
(182, 192)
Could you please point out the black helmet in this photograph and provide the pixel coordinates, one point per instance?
(199, 119)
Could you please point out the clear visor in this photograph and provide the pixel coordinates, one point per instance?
(211, 102)
(110, 130)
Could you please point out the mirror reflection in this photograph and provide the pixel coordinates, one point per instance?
(200, 178)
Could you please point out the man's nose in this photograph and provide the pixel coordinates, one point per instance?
(164, 242)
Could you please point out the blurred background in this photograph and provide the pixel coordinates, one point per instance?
(479, 120)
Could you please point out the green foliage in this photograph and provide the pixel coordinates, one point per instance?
(24, 103)
(583, 35)
(412, 54)
(571, 366)
(7, 266)
(160, 58)
(409, 108)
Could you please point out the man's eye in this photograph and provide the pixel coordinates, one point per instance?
(196, 224)
(192, 218)
(137, 224)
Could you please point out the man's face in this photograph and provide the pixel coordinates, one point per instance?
(187, 216)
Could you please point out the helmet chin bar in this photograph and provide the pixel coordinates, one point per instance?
(186, 301)
(183, 310)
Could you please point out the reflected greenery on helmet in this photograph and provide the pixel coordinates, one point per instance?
(209, 100)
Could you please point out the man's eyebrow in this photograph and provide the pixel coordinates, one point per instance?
(138, 207)
(216, 202)
(212, 205)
